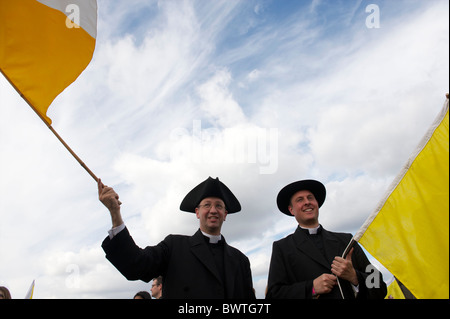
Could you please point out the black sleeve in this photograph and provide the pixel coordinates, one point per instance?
(279, 285)
(249, 280)
(371, 284)
(136, 263)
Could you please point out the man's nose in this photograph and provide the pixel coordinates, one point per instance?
(213, 209)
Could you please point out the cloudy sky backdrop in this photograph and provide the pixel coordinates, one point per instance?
(259, 93)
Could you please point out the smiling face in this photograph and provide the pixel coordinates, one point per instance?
(212, 213)
(305, 208)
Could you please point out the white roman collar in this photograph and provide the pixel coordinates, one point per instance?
(312, 231)
(213, 239)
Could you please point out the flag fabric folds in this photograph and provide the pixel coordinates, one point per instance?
(394, 291)
(30, 291)
(45, 45)
(409, 230)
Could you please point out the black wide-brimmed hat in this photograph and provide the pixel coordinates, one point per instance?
(210, 188)
(286, 193)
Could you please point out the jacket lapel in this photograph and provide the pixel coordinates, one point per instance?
(333, 247)
(305, 245)
(201, 250)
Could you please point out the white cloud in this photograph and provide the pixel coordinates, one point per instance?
(218, 103)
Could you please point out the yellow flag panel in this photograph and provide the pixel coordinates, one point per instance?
(410, 233)
(42, 51)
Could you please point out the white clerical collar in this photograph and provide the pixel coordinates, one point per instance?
(312, 231)
(213, 239)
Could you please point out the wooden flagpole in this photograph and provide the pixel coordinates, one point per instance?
(53, 130)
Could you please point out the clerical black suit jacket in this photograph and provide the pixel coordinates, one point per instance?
(186, 264)
(296, 261)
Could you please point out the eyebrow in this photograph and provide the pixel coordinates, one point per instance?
(215, 202)
(302, 196)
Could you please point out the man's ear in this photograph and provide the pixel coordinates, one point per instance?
(196, 212)
(291, 210)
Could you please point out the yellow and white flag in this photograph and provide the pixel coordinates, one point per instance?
(45, 45)
(30, 291)
(409, 230)
(394, 291)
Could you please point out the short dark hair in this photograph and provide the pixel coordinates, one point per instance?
(158, 280)
(143, 295)
(5, 292)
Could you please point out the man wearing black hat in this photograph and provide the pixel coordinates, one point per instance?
(306, 264)
(198, 266)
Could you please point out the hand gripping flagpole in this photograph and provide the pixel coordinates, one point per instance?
(53, 130)
(344, 255)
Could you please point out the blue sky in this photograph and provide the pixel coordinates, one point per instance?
(258, 93)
